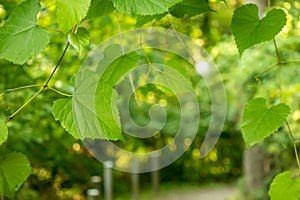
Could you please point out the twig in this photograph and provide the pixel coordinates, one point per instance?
(19, 88)
(294, 144)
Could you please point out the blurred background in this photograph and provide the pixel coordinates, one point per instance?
(63, 167)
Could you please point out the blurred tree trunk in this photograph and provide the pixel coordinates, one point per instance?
(255, 157)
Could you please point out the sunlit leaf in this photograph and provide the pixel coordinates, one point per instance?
(20, 37)
(144, 7)
(249, 30)
(259, 121)
(80, 39)
(3, 132)
(14, 170)
(284, 187)
(70, 12)
(63, 112)
(99, 8)
(190, 8)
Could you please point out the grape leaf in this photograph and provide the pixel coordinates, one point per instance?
(284, 187)
(87, 120)
(70, 12)
(106, 109)
(144, 7)
(62, 111)
(249, 30)
(3, 132)
(190, 8)
(80, 39)
(14, 170)
(259, 121)
(20, 37)
(99, 8)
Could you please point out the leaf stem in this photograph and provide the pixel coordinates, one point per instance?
(59, 92)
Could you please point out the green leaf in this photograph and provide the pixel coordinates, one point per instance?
(71, 12)
(88, 121)
(144, 19)
(106, 109)
(259, 121)
(62, 111)
(80, 39)
(99, 8)
(284, 187)
(20, 37)
(249, 30)
(14, 170)
(3, 132)
(144, 7)
(190, 8)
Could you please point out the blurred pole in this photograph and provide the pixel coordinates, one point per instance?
(135, 180)
(155, 173)
(108, 181)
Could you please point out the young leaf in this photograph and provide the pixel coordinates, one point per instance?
(259, 121)
(99, 8)
(20, 37)
(284, 187)
(190, 8)
(144, 7)
(62, 111)
(70, 12)
(80, 39)
(249, 30)
(14, 170)
(3, 132)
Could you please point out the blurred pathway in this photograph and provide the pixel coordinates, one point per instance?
(219, 193)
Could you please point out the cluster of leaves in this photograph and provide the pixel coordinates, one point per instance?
(22, 38)
(260, 121)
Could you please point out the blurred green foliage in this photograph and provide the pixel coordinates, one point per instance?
(62, 166)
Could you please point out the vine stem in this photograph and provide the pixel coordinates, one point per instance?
(294, 144)
(279, 69)
(57, 65)
(46, 83)
(19, 88)
(280, 95)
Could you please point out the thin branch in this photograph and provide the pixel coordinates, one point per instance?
(59, 92)
(26, 103)
(59, 60)
(279, 69)
(294, 143)
(57, 65)
(19, 88)
(274, 65)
